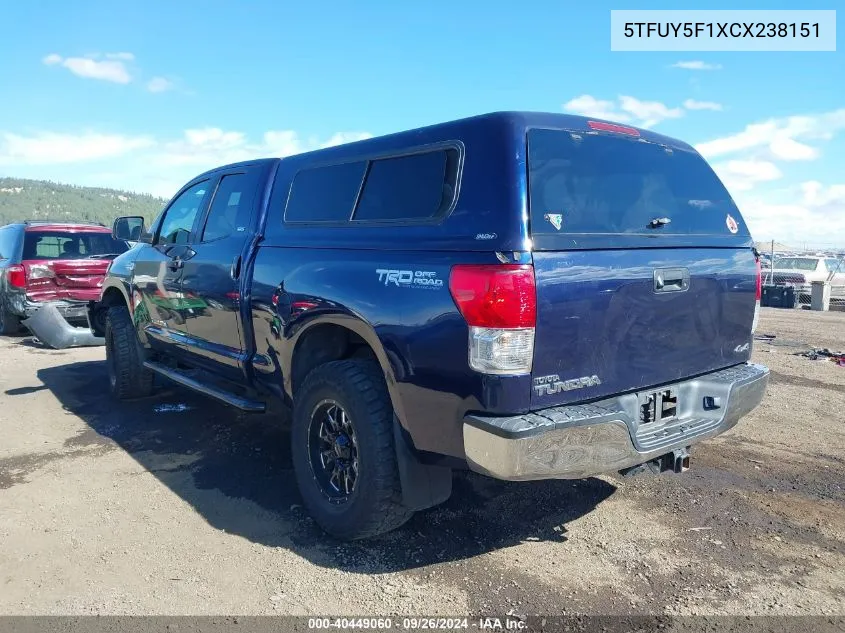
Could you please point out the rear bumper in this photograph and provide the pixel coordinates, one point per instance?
(572, 442)
(52, 328)
(68, 308)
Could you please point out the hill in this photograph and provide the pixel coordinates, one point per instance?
(766, 247)
(22, 199)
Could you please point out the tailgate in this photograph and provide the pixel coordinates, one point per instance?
(599, 315)
(643, 265)
(75, 273)
(75, 280)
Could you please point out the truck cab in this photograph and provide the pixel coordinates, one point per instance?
(526, 295)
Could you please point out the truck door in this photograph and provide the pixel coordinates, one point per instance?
(158, 270)
(212, 276)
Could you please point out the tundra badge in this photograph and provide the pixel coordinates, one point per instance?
(552, 384)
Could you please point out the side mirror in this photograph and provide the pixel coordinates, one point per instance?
(129, 228)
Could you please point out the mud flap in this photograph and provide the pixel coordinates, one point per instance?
(51, 328)
(423, 486)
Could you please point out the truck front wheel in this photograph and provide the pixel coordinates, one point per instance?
(128, 378)
(343, 454)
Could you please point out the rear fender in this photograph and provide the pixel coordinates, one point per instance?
(423, 485)
(115, 292)
(390, 362)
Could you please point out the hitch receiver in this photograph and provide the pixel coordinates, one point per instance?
(677, 461)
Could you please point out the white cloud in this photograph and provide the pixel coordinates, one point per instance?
(282, 143)
(587, 105)
(810, 213)
(754, 164)
(346, 137)
(159, 84)
(111, 67)
(786, 148)
(774, 135)
(817, 195)
(48, 148)
(692, 104)
(696, 65)
(143, 163)
(625, 110)
(126, 57)
(113, 70)
(742, 175)
(648, 113)
(205, 148)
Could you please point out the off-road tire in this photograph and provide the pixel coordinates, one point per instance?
(128, 378)
(375, 506)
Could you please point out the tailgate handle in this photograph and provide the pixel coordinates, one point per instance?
(671, 279)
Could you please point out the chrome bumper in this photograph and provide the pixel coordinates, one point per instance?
(572, 442)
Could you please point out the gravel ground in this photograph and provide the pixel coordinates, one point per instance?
(176, 505)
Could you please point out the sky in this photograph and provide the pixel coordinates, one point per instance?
(143, 95)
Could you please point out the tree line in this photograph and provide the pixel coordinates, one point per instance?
(23, 199)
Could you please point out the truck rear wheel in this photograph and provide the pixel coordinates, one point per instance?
(343, 454)
(128, 378)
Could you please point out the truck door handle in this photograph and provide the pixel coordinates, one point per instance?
(235, 270)
(671, 279)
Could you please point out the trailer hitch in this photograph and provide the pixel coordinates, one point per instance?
(678, 461)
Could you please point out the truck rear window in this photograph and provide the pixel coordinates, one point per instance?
(58, 245)
(593, 183)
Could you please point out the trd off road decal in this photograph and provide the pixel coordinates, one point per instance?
(409, 278)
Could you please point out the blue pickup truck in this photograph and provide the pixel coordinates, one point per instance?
(526, 295)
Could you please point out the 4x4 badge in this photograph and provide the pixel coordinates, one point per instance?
(556, 219)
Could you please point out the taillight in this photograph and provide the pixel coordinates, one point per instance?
(41, 271)
(499, 303)
(16, 276)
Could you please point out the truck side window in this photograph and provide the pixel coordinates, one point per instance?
(231, 207)
(325, 194)
(413, 187)
(179, 217)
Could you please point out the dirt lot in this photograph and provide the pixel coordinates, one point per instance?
(176, 505)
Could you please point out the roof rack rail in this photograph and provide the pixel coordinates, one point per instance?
(43, 222)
